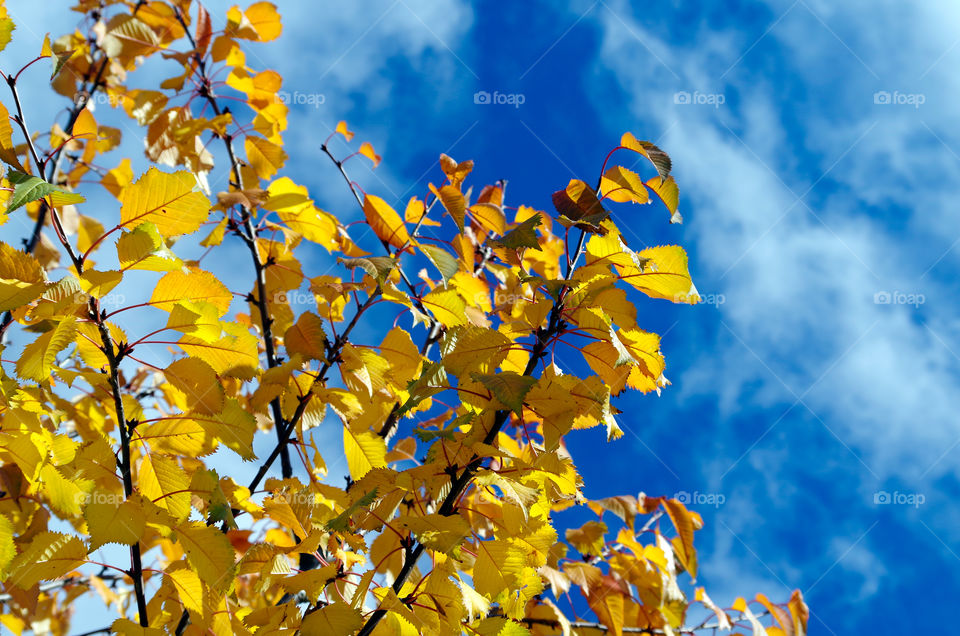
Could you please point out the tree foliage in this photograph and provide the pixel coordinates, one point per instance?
(178, 457)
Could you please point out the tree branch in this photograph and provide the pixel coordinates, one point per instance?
(460, 483)
(113, 361)
(54, 174)
(249, 235)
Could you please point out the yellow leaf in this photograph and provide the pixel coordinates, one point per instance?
(437, 532)
(498, 567)
(235, 427)
(667, 190)
(663, 275)
(684, 524)
(657, 157)
(86, 126)
(21, 278)
(385, 222)
(456, 172)
(606, 601)
(189, 587)
(144, 248)
(578, 205)
(7, 548)
(196, 285)
(88, 231)
(199, 384)
(338, 619)
(622, 185)
(447, 306)
(602, 358)
(416, 211)
(233, 355)
(164, 482)
(295, 208)
(116, 180)
(490, 217)
(342, 130)
(166, 200)
(306, 337)
(65, 495)
(588, 538)
(50, 555)
(208, 552)
(112, 520)
(468, 349)
(38, 358)
(265, 157)
(366, 149)
(402, 354)
(259, 22)
(364, 450)
(6, 28)
(98, 284)
(453, 202)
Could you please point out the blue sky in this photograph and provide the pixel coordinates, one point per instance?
(816, 148)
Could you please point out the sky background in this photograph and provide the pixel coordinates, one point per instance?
(816, 146)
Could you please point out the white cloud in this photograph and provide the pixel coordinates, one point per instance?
(801, 281)
(800, 319)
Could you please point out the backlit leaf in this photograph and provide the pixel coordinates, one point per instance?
(168, 200)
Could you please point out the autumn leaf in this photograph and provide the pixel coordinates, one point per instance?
(39, 357)
(22, 278)
(385, 222)
(622, 185)
(114, 522)
(48, 556)
(195, 285)
(364, 450)
(208, 552)
(579, 206)
(168, 200)
(198, 383)
(657, 157)
(336, 620)
(664, 275)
